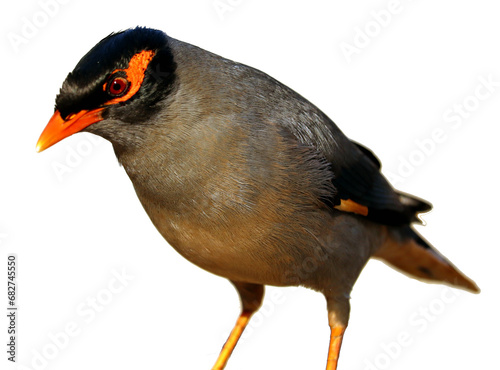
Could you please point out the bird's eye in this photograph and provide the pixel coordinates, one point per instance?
(118, 86)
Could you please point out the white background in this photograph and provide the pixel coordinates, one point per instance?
(71, 233)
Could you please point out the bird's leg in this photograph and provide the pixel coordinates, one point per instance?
(337, 333)
(338, 316)
(251, 298)
(231, 342)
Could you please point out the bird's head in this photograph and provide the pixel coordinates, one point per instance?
(120, 81)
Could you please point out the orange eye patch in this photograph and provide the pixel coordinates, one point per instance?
(135, 74)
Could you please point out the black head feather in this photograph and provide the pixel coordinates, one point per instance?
(83, 87)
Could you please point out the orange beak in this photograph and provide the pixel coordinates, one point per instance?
(58, 129)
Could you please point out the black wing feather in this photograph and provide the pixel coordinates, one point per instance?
(355, 168)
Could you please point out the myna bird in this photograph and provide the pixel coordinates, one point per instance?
(243, 176)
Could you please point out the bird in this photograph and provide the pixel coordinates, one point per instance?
(243, 176)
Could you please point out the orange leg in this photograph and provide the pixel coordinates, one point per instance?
(337, 333)
(231, 342)
(251, 298)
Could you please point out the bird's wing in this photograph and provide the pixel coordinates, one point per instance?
(358, 179)
(360, 186)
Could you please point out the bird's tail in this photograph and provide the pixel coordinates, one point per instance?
(412, 255)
